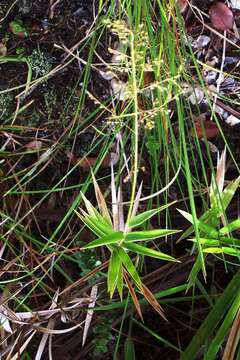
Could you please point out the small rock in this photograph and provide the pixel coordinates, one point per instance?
(219, 110)
(232, 120)
(235, 4)
(213, 148)
(231, 60)
(210, 76)
(201, 42)
(228, 83)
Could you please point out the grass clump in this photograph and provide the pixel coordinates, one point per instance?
(126, 103)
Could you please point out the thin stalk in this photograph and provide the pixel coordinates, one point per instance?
(135, 126)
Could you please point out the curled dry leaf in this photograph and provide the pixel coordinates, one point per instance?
(221, 16)
(88, 162)
(205, 128)
(213, 148)
(152, 301)
(4, 322)
(149, 78)
(34, 145)
(201, 42)
(182, 5)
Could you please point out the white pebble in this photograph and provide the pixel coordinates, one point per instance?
(202, 41)
(232, 120)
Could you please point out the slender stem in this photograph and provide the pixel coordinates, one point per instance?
(135, 127)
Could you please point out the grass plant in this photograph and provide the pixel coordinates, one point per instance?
(142, 158)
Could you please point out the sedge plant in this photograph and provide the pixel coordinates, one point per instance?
(121, 239)
(215, 233)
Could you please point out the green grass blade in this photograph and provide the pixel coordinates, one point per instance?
(128, 264)
(105, 240)
(113, 271)
(143, 217)
(234, 225)
(104, 227)
(142, 250)
(209, 230)
(214, 243)
(207, 242)
(223, 330)
(228, 194)
(214, 213)
(90, 225)
(156, 336)
(129, 350)
(195, 270)
(88, 205)
(159, 295)
(213, 318)
(120, 282)
(148, 235)
(231, 251)
(209, 217)
(222, 250)
(213, 250)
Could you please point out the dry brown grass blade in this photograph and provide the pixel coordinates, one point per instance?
(8, 265)
(233, 339)
(22, 348)
(89, 316)
(46, 330)
(133, 295)
(44, 340)
(101, 201)
(152, 301)
(221, 169)
(182, 5)
(135, 205)
(5, 323)
(8, 11)
(120, 209)
(85, 278)
(114, 201)
(50, 325)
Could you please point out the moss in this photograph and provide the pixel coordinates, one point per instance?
(6, 106)
(41, 63)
